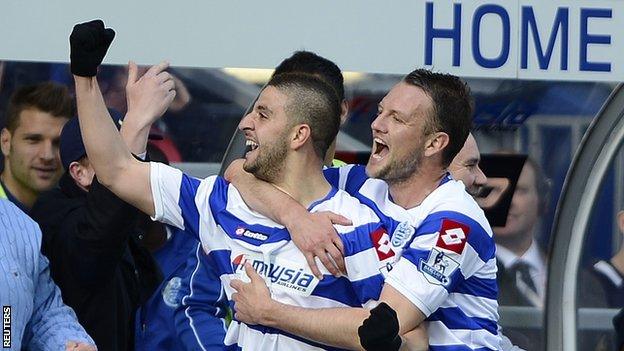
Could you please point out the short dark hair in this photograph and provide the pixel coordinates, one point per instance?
(47, 97)
(311, 63)
(452, 108)
(313, 102)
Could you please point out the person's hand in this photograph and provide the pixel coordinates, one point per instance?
(252, 301)
(88, 44)
(314, 234)
(79, 346)
(150, 95)
(380, 331)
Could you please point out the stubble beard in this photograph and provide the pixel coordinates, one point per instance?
(269, 164)
(398, 171)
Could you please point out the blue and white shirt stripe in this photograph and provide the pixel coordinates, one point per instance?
(447, 266)
(232, 234)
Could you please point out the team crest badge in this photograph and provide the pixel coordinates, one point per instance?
(171, 292)
(402, 234)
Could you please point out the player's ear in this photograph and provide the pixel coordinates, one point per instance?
(301, 134)
(435, 143)
(344, 112)
(5, 142)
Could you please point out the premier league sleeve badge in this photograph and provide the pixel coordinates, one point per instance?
(438, 267)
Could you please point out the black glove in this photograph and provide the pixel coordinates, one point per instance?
(380, 331)
(88, 44)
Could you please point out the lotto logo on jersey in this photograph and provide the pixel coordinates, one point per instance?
(283, 274)
(240, 231)
(381, 241)
(453, 236)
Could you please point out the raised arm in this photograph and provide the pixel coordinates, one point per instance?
(90, 242)
(313, 233)
(115, 166)
(147, 101)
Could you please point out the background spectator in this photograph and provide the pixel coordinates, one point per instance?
(92, 237)
(522, 265)
(39, 318)
(610, 273)
(465, 167)
(30, 138)
(521, 262)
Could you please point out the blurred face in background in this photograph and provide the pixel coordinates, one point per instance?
(114, 89)
(465, 167)
(31, 151)
(524, 211)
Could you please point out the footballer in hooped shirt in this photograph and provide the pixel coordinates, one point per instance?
(235, 238)
(284, 151)
(442, 268)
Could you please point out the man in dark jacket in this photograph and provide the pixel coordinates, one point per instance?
(92, 238)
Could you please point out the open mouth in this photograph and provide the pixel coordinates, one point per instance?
(380, 149)
(250, 146)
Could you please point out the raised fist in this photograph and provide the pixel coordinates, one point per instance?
(88, 44)
(380, 331)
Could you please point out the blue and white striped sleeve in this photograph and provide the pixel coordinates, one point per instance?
(364, 262)
(450, 253)
(177, 197)
(199, 320)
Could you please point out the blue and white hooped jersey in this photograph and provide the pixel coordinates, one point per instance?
(448, 264)
(232, 234)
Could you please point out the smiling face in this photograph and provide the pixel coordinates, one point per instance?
(465, 167)
(266, 131)
(398, 139)
(31, 152)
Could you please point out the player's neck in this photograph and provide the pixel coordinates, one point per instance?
(329, 156)
(303, 180)
(413, 191)
(23, 194)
